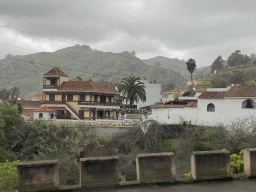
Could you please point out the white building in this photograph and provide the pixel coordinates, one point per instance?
(153, 94)
(213, 107)
(45, 113)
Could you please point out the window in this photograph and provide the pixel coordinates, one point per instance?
(103, 99)
(51, 97)
(40, 115)
(70, 97)
(249, 104)
(210, 108)
(53, 81)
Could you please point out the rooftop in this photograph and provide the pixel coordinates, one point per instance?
(87, 85)
(45, 109)
(177, 104)
(212, 95)
(242, 91)
(55, 71)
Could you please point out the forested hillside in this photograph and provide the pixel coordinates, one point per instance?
(26, 72)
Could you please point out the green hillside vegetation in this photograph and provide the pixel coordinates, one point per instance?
(237, 69)
(26, 72)
(177, 66)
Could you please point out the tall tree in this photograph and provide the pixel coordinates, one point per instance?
(78, 78)
(237, 58)
(217, 64)
(15, 91)
(191, 65)
(132, 89)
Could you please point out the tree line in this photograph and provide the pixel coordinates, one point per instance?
(11, 93)
(234, 60)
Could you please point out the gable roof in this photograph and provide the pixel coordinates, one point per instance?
(242, 91)
(87, 86)
(55, 71)
(212, 95)
(45, 109)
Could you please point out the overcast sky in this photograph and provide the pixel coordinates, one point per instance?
(183, 29)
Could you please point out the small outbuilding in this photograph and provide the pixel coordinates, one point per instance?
(45, 113)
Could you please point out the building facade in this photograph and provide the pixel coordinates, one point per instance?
(211, 108)
(153, 94)
(79, 99)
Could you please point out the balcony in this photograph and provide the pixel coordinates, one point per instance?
(53, 102)
(128, 107)
(50, 86)
(98, 103)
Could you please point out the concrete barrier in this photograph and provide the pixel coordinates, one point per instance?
(155, 167)
(38, 175)
(98, 171)
(210, 165)
(249, 156)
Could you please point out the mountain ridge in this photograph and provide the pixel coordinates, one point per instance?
(26, 72)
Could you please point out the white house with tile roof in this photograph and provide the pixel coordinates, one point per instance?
(213, 107)
(45, 113)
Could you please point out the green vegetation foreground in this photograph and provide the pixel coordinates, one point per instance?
(39, 140)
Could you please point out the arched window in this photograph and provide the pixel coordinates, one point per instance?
(210, 108)
(249, 104)
(40, 115)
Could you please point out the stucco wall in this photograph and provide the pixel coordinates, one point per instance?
(227, 111)
(75, 98)
(174, 115)
(87, 98)
(153, 94)
(46, 115)
(63, 79)
(58, 97)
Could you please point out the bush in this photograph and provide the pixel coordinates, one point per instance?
(5, 154)
(201, 146)
(237, 163)
(8, 175)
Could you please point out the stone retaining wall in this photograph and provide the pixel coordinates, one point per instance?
(210, 165)
(38, 175)
(98, 171)
(155, 167)
(151, 168)
(250, 162)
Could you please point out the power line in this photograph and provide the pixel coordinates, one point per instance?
(70, 43)
(37, 34)
(31, 62)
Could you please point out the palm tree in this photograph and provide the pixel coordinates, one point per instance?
(191, 65)
(132, 89)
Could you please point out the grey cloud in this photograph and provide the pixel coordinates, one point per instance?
(179, 25)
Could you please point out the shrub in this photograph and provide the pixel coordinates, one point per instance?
(6, 154)
(237, 163)
(8, 175)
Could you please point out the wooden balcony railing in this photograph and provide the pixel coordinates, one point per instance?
(53, 102)
(98, 103)
(50, 86)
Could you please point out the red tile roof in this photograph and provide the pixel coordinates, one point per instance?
(176, 104)
(212, 95)
(242, 91)
(39, 95)
(87, 86)
(55, 71)
(28, 112)
(27, 104)
(45, 109)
